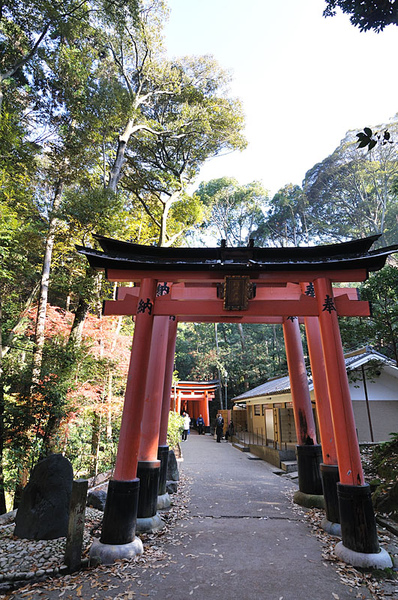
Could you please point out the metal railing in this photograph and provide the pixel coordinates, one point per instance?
(257, 438)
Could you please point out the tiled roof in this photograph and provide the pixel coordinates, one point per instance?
(363, 356)
(281, 385)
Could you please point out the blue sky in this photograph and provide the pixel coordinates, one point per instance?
(304, 80)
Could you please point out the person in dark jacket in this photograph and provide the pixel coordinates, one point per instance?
(200, 424)
(230, 431)
(219, 427)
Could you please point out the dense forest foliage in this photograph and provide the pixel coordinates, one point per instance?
(101, 133)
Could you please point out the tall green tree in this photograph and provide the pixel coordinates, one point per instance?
(287, 221)
(381, 289)
(198, 121)
(351, 192)
(31, 28)
(366, 14)
(234, 211)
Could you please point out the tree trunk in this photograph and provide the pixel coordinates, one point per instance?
(109, 407)
(75, 336)
(163, 226)
(242, 336)
(81, 312)
(218, 370)
(109, 384)
(119, 162)
(49, 439)
(20, 323)
(277, 354)
(243, 346)
(23, 477)
(95, 442)
(116, 171)
(45, 279)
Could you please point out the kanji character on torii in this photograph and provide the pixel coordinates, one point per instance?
(244, 285)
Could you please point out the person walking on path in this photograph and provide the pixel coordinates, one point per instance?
(200, 424)
(219, 427)
(230, 431)
(186, 425)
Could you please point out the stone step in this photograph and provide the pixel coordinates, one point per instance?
(293, 475)
(279, 472)
(241, 447)
(289, 466)
(251, 456)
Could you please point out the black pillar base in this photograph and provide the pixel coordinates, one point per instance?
(330, 478)
(358, 523)
(120, 514)
(163, 456)
(148, 474)
(309, 477)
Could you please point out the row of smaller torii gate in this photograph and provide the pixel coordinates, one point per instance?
(285, 286)
(193, 397)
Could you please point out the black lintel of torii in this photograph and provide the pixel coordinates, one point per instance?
(354, 254)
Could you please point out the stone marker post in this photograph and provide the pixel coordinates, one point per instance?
(74, 540)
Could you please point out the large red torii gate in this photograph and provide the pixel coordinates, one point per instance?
(262, 285)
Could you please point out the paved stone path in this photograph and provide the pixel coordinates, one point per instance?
(241, 539)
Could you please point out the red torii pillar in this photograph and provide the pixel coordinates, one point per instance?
(205, 411)
(178, 402)
(328, 468)
(163, 450)
(120, 514)
(309, 452)
(358, 523)
(148, 468)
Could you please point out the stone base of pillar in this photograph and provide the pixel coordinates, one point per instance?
(308, 500)
(106, 554)
(358, 523)
(148, 474)
(120, 514)
(164, 501)
(330, 478)
(163, 456)
(308, 460)
(376, 560)
(149, 524)
(331, 528)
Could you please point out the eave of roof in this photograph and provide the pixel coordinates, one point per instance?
(346, 255)
(366, 356)
(198, 385)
